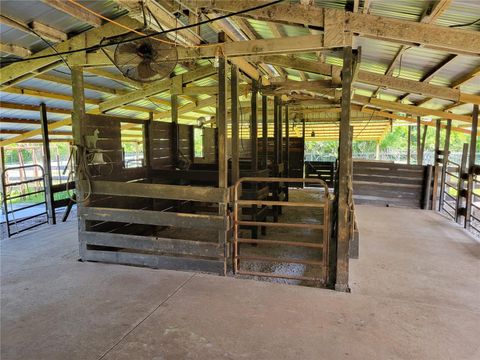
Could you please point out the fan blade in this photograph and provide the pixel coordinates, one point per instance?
(129, 47)
(145, 70)
(128, 60)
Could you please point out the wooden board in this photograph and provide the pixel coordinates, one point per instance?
(388, 184)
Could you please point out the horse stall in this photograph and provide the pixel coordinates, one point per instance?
(165, 212)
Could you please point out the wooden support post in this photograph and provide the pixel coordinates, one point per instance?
(254, 126)
(78, 116)
(446, 150)
(471, 163)
(462, 170)
(422, 146)
(427, 187)
(175, 129)
(287, 143)
(303, 137)
(235, 123)
(276, 155)
(276, 136)
(409, 144)
(377, 151)
(345, 180)
(47, 166)
(147, 144)
(222, 144)
(265, 131)
(436, 164)
(419, 136)
(280, 132)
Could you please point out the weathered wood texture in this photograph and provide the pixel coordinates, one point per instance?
(388, 184)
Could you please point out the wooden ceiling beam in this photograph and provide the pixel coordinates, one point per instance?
(409, 109)
(457, 41)
(45, 31)
(15, 50)
(157, 87)
(89, 38)
(74, 11)
(371, 78)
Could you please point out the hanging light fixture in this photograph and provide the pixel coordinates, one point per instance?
(312, 134)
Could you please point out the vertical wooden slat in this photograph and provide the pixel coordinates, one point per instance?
(78, 117)
(343, 230)
(47, 165)
(471, 163)
(235, 123)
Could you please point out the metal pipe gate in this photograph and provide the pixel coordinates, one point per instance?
(324, 227)
(10, 214)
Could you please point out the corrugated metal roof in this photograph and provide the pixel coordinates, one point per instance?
(376, 55)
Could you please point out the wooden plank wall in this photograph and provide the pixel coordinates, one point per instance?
(161, 145)
(128, 211)
(297, 154)
(388, 184)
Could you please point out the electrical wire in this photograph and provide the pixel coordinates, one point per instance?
(100, 46)
(464, 25)
(116, 22)
(368, 123)
(43, 39)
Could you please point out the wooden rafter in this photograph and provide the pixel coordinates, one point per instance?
(43, 30)
(27, 69)
(452, 40)
(14, 50)
(74, 11)
(371, 78)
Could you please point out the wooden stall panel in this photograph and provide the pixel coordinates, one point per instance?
(161, 145)
(297, 156)
(388, 184)
(185, 133)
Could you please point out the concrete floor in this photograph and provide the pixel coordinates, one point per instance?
(415, 295)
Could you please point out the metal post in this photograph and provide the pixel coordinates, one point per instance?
(343, 230)
(446, 150)
(47, 165)
(436, 163)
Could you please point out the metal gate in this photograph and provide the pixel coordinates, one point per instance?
(324, 226)
(12, 216)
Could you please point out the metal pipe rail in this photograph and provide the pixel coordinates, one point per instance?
(324, 227)
(6, 198)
